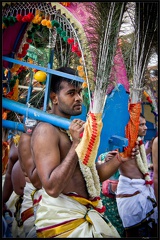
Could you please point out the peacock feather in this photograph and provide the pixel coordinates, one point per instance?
(140, 44)
(105, 24)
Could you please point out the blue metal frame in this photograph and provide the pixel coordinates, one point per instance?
(13, 125)
(46, 96)
(47, 70)
(35, 113)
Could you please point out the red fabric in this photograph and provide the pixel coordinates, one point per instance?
(9, 37)
(132, 127)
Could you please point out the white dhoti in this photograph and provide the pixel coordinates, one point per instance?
(27, 211)
(136, 202)
(17, 230)
(71, 216)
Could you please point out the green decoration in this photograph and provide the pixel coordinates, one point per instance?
(63, 34)
(59, 30)
(65, 38)
(55, 23)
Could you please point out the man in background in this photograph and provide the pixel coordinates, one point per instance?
(135, 198)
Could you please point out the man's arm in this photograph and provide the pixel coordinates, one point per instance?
(108, 168)
(26, 160)
(155, 165)
(7, 186)
(55, 168)
(18, 179)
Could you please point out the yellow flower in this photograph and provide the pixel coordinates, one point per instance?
(16, 139)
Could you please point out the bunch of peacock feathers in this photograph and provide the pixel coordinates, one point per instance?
(143, 43)
(104, 30)
(104, 26)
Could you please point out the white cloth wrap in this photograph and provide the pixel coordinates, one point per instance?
(52, 211)
(134, 210)
(28, 225)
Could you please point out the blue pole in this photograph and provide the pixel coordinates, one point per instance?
(48, 81)
(47, 70)
(13, 125)
(30, 86)
(35, 113)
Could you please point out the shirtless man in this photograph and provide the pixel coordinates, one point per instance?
(134, 197)
(8, 186)
(64, 208)
(32, 180)
(13, 187)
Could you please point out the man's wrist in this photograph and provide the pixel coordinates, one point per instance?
(119, 158)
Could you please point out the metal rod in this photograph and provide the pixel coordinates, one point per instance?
(34, 88)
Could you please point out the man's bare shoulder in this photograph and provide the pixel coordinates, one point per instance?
(25, 137)
(155, 141)
(46, 130)
(43, 126)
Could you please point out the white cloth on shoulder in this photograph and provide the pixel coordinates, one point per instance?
(135, 209)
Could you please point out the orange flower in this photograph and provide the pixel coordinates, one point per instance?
(81, 73)
(44, 22)
(145, 94)
(66, 4)
(3, 26)
(80, 68)
(84, 85)
(15, 91)
(48, 24)
(4, 115)
(84, 78)
(37, 12)
(30, 60)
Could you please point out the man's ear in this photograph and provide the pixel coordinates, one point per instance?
(53, 97)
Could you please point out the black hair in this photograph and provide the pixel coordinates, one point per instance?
(141, 115)
(56, 80)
